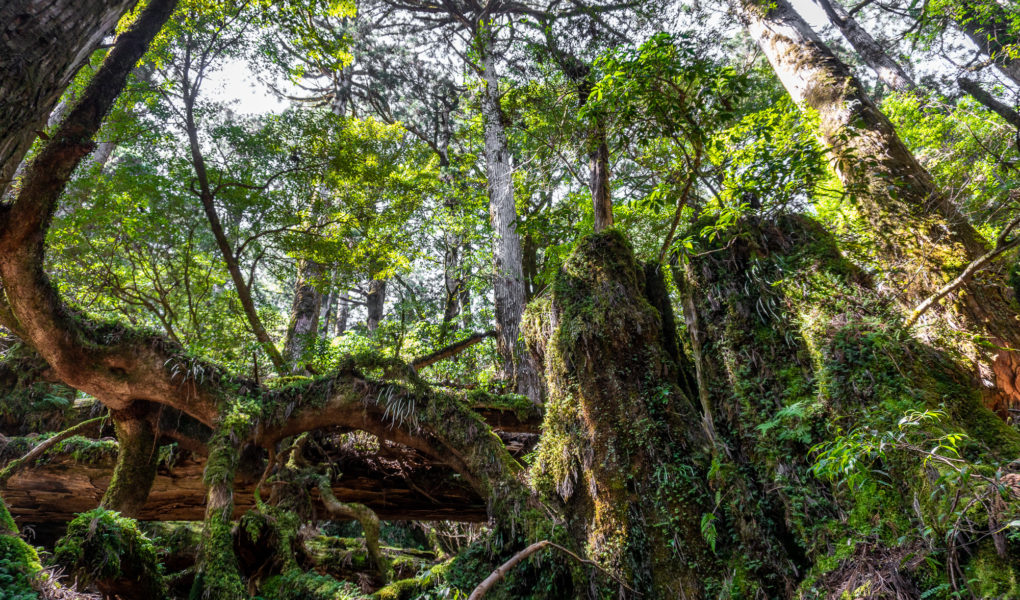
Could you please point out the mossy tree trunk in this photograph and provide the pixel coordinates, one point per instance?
(217, 575)
(621, 442)
(921, 237)
(794, 348)
(137, 459)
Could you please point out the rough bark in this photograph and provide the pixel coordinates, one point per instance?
(304, 314)
(453, 282)
(921, 237)
(508, 280)
(42, 45)
(888, 70)
(779, 363)
(994, 31)
(620, 439)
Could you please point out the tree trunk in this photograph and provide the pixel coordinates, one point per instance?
(343, 313)
(226, 251)
(217, 574)
(42, 46)
(452, 283)
(137, 460)
(990, 27)
(508, 281)
(304, 314)
(1002, 109)
(871, 52)
(921, 236)
(619, 438)
(598, 161)
(375, 303)
(778, 365)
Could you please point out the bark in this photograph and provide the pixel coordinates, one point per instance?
(922, 238)
(304, 314)
(508, 280)
(217, 573)
(451, 350)
(888, 70)
(137, 459)
(329, 312)
(598, 161)
(778, 364)
(453, 282)
(369, 525)
(343, 313)
(988, 24)
(375, 303)
(42, 46)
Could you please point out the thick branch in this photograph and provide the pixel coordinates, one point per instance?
(364, 515)
(451, 350)
(1000, 108)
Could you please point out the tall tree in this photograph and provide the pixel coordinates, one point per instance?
(921, 236)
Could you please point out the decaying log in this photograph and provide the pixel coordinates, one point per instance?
(62, 487)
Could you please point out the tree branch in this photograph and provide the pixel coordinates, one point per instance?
(451, 350)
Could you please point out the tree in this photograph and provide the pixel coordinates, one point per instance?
(906, 210)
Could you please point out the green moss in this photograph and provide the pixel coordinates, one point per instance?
(19, 562)
(299, 585)
(87, 451)
(991, 576)
(103, 548)
(404, 589)
(620, 444)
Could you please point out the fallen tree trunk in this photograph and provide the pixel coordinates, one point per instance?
(54, 492)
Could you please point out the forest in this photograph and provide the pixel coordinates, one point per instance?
(513, 299)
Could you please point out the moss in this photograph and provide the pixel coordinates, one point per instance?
(621, 441)
(217, 574)
(19, 562)
(299, 585)
(108, 550)
(797, 350)
(523, 408)
(404, 589)
(991, 576)
(87, 451)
